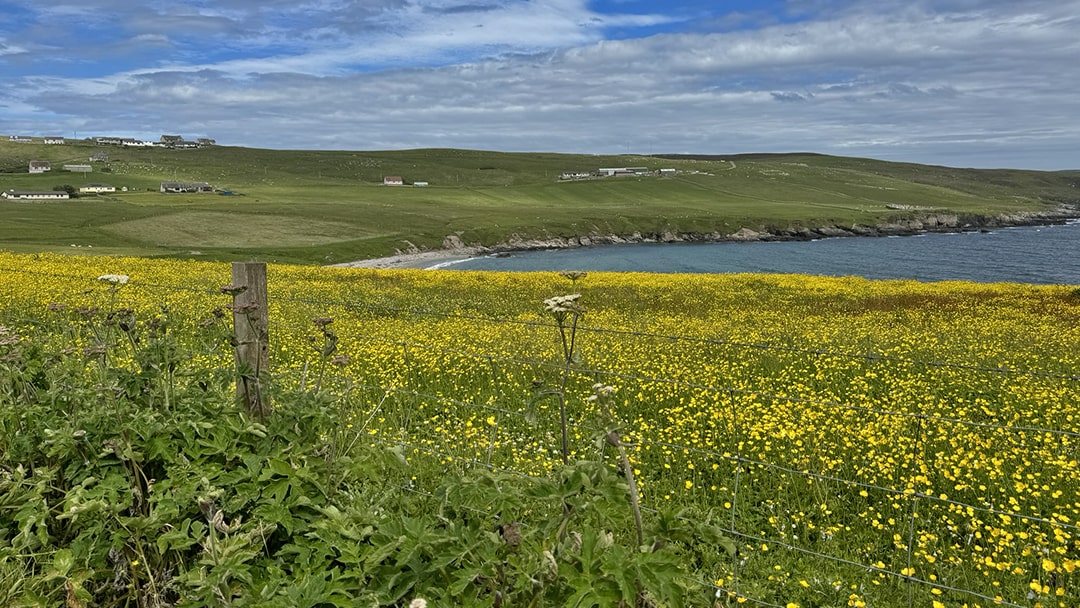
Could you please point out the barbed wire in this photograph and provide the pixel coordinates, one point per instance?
(693, 339)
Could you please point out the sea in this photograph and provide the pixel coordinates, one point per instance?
(1025, 254)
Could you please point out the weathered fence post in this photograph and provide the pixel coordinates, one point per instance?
(251, 323)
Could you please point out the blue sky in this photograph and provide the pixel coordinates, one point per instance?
(983, 83)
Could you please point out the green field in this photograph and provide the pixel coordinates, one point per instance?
(331, 206)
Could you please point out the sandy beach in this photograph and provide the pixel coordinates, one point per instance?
(422, 259)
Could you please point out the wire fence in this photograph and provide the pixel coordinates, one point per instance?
(860, 486)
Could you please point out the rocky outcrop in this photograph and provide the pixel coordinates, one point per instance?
(914, 224)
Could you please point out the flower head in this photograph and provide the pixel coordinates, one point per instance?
(564, 304)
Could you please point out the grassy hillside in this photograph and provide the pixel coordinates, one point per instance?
(331, 206)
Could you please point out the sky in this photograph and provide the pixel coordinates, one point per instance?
(963, 83)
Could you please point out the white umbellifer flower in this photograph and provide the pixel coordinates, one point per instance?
(418, 603)
(601, 390)
(563, 304)
(116, 279)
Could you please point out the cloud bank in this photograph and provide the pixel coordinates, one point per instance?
(955, 82)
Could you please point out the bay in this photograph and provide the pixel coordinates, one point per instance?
(1026, 254)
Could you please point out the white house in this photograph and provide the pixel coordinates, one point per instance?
(22, 139)
(185, 187)
(393, 180)
(40, 166)
(54, 140)
(96, 188)
(621, 171)
(34, 195)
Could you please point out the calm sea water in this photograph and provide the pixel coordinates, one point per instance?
(1030, 254)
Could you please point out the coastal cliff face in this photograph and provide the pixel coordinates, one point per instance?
(914, 224)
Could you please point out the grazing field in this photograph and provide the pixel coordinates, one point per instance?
(858, 443)
(331, 207)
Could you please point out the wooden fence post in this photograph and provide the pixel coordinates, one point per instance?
(251, 322)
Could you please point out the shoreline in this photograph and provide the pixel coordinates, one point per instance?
(454, 251)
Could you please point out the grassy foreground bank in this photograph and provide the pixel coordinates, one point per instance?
(860, 443)
(331, 207)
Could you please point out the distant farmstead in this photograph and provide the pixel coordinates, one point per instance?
(54, 140)
(185, 187)
(393, 180)
(20, 139)
(34, 195)
(40, 166)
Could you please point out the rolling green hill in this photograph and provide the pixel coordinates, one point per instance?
(331, 206)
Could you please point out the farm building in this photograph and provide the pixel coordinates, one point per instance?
(20, 139)
(420, 184)
(171, 140)
(205, 141)
(40, 166)
(78, 168)
(34, 195)
(393, 180)
(185, 187)
(96, 188)
(621, 171)
(108, 141)
(54, 140)
(668, 172)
